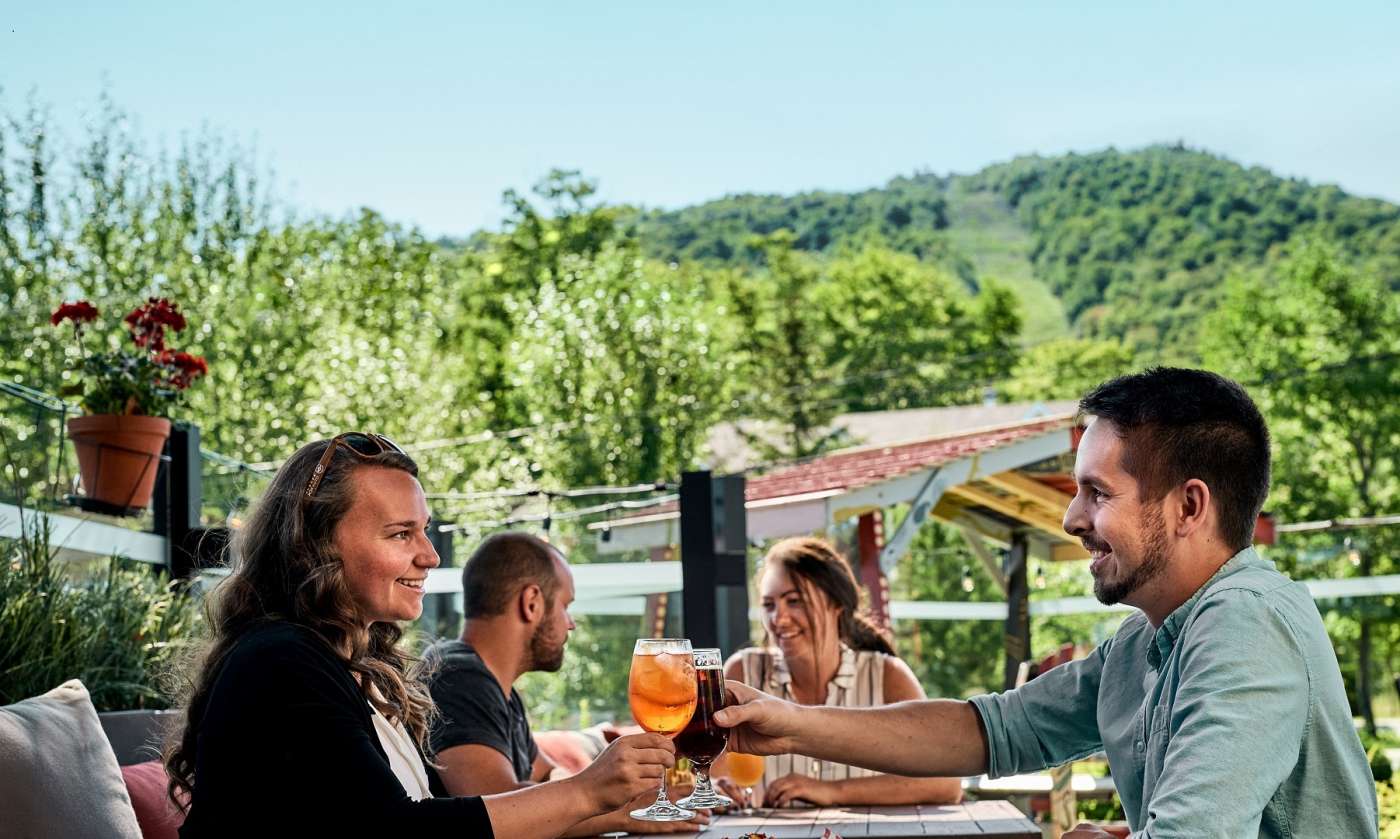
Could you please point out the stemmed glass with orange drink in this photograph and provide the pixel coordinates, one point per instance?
(744, 770)
(661, 690)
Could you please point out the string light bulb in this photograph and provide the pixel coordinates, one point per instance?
(967, 583)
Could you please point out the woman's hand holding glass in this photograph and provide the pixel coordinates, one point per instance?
(629, 767)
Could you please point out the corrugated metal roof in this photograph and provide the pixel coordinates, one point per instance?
(854, 468)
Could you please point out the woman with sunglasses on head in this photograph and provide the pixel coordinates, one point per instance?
(303, 717)
(824, 650)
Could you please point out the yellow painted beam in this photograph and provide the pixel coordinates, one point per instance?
(1047, 498)
(1022, 511)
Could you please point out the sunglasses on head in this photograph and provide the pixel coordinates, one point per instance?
(362, 444)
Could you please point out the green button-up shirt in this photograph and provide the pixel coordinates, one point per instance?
(1229, 720)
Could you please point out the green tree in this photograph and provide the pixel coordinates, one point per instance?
(906, 334)
(1137, 243)
(623, 361)
(525, 258)
(1067, 368)
(950, 658)
(536, 242)
(783, 350)
(1320, 342)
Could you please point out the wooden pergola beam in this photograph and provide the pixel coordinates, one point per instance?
(1048, 501)
(1012, 507)
(1027, 489)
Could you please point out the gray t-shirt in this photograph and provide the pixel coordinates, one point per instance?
(473, 709)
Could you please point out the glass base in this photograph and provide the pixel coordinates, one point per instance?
(659, 812)
(699, 800)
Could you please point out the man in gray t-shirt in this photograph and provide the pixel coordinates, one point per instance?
(473, 711)
(516, 591)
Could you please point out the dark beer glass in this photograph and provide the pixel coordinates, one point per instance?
(703, 739)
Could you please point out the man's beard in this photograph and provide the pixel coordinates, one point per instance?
(1154, 561)
(545, 656)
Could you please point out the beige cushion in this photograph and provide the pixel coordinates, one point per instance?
(58, 775)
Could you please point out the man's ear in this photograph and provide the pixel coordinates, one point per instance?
(1193, 510)
(531, 603)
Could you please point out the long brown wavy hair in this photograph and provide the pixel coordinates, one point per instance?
(816, 566)
(286, 568)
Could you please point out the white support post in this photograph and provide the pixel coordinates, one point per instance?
(949, 475)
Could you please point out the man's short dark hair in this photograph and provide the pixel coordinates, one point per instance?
(503, 565)
(1179, 424)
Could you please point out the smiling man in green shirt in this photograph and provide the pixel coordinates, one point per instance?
(1219, 702)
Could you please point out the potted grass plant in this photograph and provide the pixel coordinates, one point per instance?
(127, 390)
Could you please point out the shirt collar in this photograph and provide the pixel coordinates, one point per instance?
(1164, 640)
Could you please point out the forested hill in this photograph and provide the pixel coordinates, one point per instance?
(1131, 244)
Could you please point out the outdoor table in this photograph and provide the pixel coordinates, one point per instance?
(951, 821)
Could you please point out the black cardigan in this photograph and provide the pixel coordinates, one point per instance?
(287, 747)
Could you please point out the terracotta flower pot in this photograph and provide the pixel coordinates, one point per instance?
(118, 456)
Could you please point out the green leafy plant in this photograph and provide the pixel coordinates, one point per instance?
(1101, 809)
(114, 627)
(1388, 800)
(149, 380)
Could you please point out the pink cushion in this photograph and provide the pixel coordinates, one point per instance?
(564, 748)
(146, 784)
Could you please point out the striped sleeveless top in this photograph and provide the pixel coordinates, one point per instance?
(859, 683)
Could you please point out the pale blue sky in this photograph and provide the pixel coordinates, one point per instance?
(427, 111)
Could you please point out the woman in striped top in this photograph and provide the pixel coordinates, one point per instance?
(824, 650)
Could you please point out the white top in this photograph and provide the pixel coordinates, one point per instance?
(403, 756)
(859, 683)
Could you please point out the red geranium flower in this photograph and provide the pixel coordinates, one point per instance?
(149, 379)
(80, 312)
(187, 368)
(149, 321)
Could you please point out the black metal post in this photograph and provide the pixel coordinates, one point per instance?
(714, 561)
(440, 618)
(179, 497)
(442, 542)
(1018, 619)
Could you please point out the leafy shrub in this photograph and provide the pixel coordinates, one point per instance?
(1381, 769)
(1388, 798)
(112, 625)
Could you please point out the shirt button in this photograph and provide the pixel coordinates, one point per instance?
(1137, 745)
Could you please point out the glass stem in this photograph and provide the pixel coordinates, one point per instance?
(661, 799)
(702, 781)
